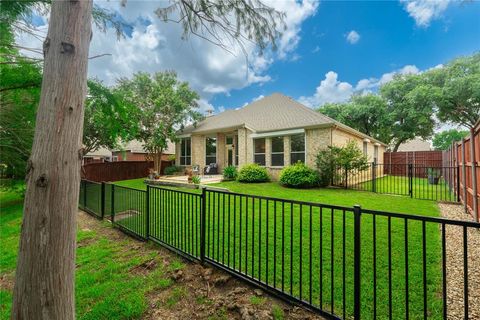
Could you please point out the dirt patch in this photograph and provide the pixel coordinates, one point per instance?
(197, 292)
(7, 281)
(455, 275)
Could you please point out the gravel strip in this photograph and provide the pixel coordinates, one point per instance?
(455, 275)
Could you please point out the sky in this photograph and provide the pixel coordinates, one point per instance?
(329, 50)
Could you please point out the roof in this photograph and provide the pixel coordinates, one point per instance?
(272, 113)
(416, 144)
(100, 152)
(136, 146)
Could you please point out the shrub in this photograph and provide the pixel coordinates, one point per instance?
(171, 170)
(253, 173)
(332, 161)
(299, 176)
(230, 173)
(196, 180)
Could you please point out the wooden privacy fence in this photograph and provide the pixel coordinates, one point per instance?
(393, 161)
(119, 170)
(466, 155)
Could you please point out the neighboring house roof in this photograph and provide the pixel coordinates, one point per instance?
(416, 144)
(272, 113)
(136, 146)
(101, 152)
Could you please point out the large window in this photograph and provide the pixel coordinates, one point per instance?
(210, 150)
(375, 154)
(297, 148)
(277, 151)
(186, 152)
(259, 151)
(365, 147)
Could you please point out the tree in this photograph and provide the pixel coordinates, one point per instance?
(365, 113)
(410, 107)
(107, 119)
(44, 280)
(443, 140)
(163, 104)
(458, 84)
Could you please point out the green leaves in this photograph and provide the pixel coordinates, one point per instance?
(444, 139)
(162, 105)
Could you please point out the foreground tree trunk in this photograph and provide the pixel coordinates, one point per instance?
(44, 280)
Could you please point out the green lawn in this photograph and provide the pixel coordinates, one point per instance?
(106, 288)
(261, 239)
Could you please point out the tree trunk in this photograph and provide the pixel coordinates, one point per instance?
(44, 280)
(397, 145)
(157, 162)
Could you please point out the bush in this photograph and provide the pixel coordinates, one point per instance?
(335, 160)
(196, 180)
(171, 170)
(253, 173)
(299, 176)
(230, 173)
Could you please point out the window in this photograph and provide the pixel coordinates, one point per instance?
(115, 158)
(297, 148)
(259, 151)
(235, 146)
(365, 146)
(186, 152)
(210, 150)
(277, 151)
(229, 140)
(375, 154)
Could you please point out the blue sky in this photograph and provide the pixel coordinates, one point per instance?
(389, 40)
(330, 49)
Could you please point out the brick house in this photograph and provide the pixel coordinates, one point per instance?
(274, 131)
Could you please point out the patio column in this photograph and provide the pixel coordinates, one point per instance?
(268, 152)
(286, 150)
(198, 151)
(221, 151)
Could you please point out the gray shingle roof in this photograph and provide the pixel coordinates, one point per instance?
(272, 113)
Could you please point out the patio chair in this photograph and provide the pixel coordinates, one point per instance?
(196, 169)
(212, 168)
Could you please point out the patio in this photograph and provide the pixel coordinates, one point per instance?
(182, 180)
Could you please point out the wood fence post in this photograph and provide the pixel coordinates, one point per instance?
(464, 175)
(474, 175)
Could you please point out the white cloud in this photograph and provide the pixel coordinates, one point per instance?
(157, 46)
(316, 49)
(352, 37)
(331, 90)
(424, 11)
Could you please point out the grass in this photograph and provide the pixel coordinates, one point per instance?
(262, 250)
(106, 286)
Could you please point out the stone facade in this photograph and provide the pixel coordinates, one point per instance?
(315, 140)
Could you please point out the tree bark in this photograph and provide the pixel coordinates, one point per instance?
(157, 162)
(397, 145)
(44, 280)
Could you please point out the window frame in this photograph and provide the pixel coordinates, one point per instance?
(187, 159)
(261, 154)
(365, 148)
(375, 154)
(211, 155)
(272, 152)
(304, 152)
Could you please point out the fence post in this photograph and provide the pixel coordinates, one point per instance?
(410, 180)
(458, 183)
(374, 177)
(357, 211)
(464, 175)
(474, 174)
(147, 212)
(346, 178)
(202, 224)
(112, 204)
(102, 204)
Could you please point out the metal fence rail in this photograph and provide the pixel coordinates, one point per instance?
(417, 181)
(341, 262)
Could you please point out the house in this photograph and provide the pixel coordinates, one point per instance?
(134, 151)
(274, 131)
(417, 144)
(99, 155)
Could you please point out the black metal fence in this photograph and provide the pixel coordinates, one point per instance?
(342, 262)
(416, 181)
